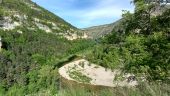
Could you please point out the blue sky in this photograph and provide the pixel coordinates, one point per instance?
(87, 13)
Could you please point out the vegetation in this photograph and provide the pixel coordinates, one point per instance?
(76, 75)
(142, 47)
(29, 61)
(143, 89)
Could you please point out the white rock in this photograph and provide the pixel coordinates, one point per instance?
(34, 8)
(19, 31)
(43, 27)
(9, 25)
(36, 20)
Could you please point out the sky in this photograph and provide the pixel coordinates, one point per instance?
(87, 13)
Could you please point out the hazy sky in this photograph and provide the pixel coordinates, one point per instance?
(86, 13)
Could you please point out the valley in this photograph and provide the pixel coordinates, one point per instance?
(40, 52)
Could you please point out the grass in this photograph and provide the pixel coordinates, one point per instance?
(144, 89)
(76, 75)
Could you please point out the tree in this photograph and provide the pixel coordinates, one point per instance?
(145, 10)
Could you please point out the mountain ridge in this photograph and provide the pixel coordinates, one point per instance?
(27, 14)
(96, 32)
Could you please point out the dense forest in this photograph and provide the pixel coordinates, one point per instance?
(29, 61)
(140, 45)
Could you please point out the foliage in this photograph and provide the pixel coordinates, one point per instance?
(76, 75)
(143, 48)
(29, 61)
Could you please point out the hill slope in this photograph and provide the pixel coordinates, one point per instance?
(102, 30)
(26, 14)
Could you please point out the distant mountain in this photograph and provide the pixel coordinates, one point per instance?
(18, 14)
(26, 14)
(102, 30)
